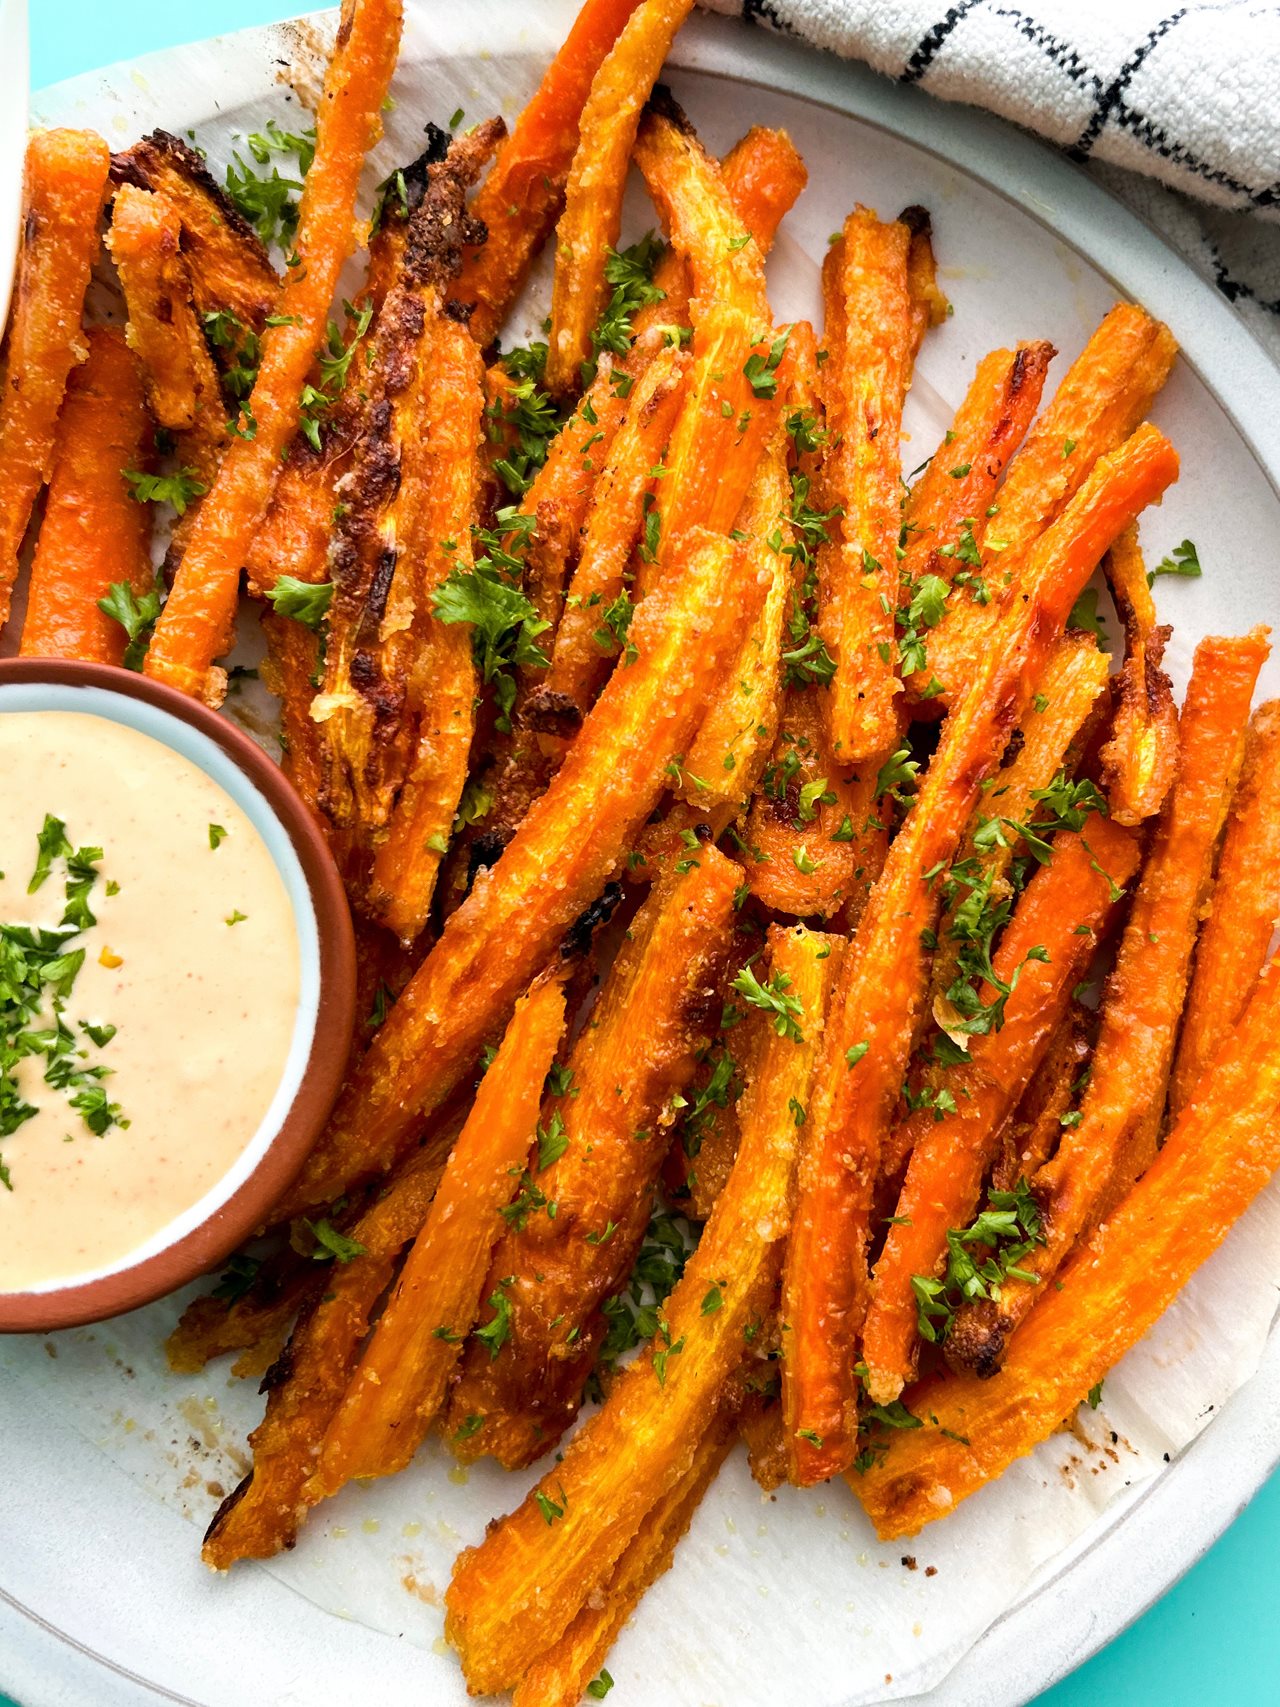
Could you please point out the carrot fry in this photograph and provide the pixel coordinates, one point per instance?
(592, 215)
(403, 1375)
(65, 177)
(196, 624)
(1069, 687)
(593, 625)
(560, 1676)
(1102, 398)
(521, 199)
(814, 842)
(1032, 1135)
(93, 532)
(1062, 912)
(1139, 761)
(213, 1325)
(555, 1273)
(231, 272)
(262, 1516)
(872, 351)
(514, 1596)
(567, 846)
(1121, 1116)
(1245, 902)
(703, 1160)
(1222, 1151)
(825, 1290)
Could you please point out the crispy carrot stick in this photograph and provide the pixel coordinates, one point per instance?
(231, 272)
(94, 532)
(404, 1372)
(214, 1326)
(262, 1515)
(556, 864)
(65, 177)
(514, 1596)
(814, 841)
(959, 481)
(592, 215)
(1062, 912)
(562, 1675)
(1139, 761)
(196, 624)
(593, 625)
(1123, 1108)
(1032, 1135)
(522, 196)
(1245, 902)
(1102, 398)
(870, 372)
(825, 1287)
(612, 1128)
(1052, 721)
(1219, 1155)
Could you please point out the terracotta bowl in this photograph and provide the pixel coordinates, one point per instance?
(241, 1202)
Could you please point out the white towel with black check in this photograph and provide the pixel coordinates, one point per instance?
(1176, 109)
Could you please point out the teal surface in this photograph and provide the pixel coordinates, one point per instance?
(1213, 1638)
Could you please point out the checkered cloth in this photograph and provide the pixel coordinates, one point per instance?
(1176, 111)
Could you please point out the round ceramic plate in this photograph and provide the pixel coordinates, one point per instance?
(102, 1601)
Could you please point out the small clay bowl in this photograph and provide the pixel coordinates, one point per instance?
(242, 1201)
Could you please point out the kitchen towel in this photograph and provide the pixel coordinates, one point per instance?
(1176, 111)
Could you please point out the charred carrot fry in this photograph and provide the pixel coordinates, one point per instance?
(592, 628)
(196, 624)
(1052, 723)
(592, 215)
(521, 199)
(1102, 398)
(566, 848)
(1233, 940)
(94, 533)
(65, 177)
(867, 386)
(1032, 1135)
(1121, 1116)
(1061, 913)
(403, 1375)
(611, 1130)
(929, 305)
(515, 1595)
(560, 1677)
(262, 1516)
(1139, 761)
(825, 1289)
(231, 272)
(814, 842)
(1221, 1152)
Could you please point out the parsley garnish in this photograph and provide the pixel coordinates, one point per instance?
(331, 1243)
(177, 489)
(136, 615)
(773, 998)
(1184, 561)
(306, 602)
(505, 624)
(495, 1334)
(1009, 1229)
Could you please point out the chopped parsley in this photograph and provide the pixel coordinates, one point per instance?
(1185, 561)
(505, 625)
(306, 602)
(773, 998)
(331, 1243)
(180, 489)
(1008, 1230)
(137, 615)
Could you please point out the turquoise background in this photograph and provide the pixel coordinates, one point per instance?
(1216, 1636)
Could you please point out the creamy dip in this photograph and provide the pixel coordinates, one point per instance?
(192, 957)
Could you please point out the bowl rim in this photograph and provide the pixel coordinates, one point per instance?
(247, 1209)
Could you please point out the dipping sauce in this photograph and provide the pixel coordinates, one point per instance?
(127, 851)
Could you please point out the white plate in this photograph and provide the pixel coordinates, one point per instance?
(101, 1600)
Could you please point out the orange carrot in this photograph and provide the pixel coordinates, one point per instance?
(1032, 1135)
(197, 622)
(592, 215)
(566, 848)
(94, 531)
(556, 1271)
(522, 196)
(1062, 911)
(874, 1014)
(1244, 906)
(1222, 1151)
(1122, 1113)
(404, 1372)
(65, 177)
(1138, 763)
(512, 1597)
